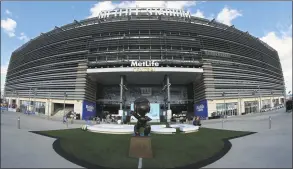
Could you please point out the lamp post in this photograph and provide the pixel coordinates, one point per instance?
(49, 114)
(285, 93)
(65, 95)
(260, 101)
(29, 99)
(253, 94)
(272, 94)
(35, 93)
(223, 94)
(239, 102)
(17, 100)
(13, 96)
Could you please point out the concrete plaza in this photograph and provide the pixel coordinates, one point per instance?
(268, 148)
(23, 149)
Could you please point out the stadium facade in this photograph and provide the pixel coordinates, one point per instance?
(179, 62)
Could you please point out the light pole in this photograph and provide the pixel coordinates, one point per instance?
(13, 96)
(260, 101)
(49, 114)
(17, 100)
(239, 102)
(273, 99)
(253, 94)
(29, 99)
(64, 104)
(35, 92)
(223, 94)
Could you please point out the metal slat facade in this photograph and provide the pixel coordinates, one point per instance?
(233, 61)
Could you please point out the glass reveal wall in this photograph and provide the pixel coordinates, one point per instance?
(38, 107)
(251, 107)
(266, 104)
(230, 109)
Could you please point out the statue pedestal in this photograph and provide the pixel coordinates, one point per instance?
(140, 147)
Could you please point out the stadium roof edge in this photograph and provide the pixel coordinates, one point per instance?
(88, 21)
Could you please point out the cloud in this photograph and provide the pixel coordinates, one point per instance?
(199, 14)
(9, 26)
(8, 12)
(227, 15)
(23, 37)
(283, 44)
(109, 5)
(3, 75)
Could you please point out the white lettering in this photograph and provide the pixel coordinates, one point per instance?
(144, 64)
(141, 11)
(89, 108)
(149, 11)
(200, 107)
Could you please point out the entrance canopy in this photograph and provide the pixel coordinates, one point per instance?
(144, 75)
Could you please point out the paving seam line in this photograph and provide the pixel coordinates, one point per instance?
(139, 163)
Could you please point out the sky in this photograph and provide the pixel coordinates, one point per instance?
(271, 21)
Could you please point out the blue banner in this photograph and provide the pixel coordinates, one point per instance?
(4, 108)
(88, 110)
(201, 109)
(154, 113)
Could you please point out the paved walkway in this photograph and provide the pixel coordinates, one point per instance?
(22, 149)
(267, 149)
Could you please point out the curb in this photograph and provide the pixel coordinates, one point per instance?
(58, 149)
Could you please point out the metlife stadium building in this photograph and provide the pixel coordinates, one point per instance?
(179, 62)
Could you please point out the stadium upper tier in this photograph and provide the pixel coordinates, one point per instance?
(234, 62)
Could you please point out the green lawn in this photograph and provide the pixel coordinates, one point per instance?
(169, 151)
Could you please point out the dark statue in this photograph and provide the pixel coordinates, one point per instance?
(141, 108)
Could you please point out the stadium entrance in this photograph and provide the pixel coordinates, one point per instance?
(166, 88)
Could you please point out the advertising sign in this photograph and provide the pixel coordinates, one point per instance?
(146, 91)
(201, 109)
(4, 108)
(148, 63)
(88, 109)
(154, 113)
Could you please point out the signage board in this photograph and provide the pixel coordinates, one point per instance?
(154, 113)
(147, 63)
(4, 108)
(88, 109)
(201, 109)
(143, 11)
(146, 91)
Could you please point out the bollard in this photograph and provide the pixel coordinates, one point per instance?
(222, 123)
(18, 122)
(270, 122)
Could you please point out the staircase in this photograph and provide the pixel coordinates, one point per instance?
(60, 112)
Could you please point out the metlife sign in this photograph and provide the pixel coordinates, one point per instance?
(201, 109)
(144, 11)
(88, 109)
(148, 63)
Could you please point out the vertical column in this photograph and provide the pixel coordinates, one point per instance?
(168, 91)
(169, 111)
(120, 112)
(260, 102)
(47, 108)
(259, 105)
(121, 91)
